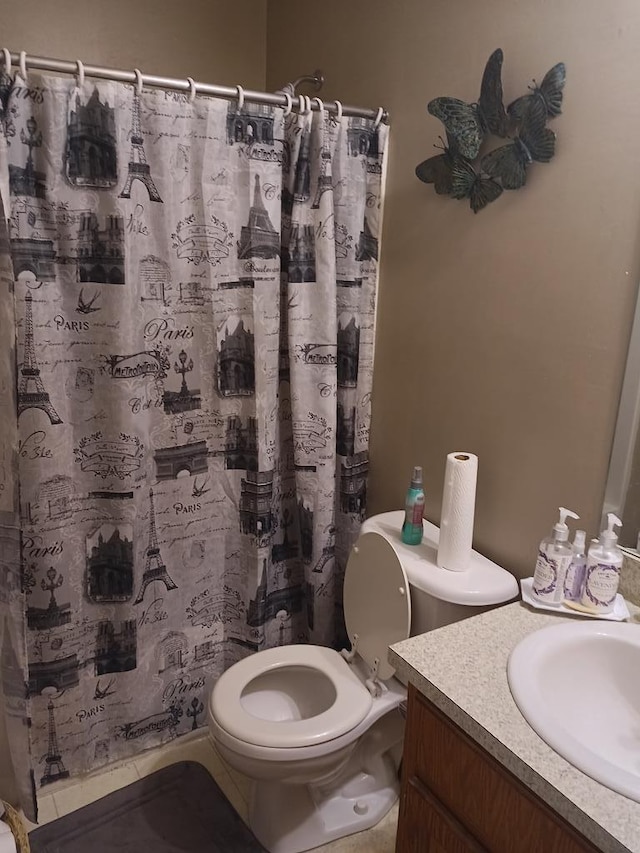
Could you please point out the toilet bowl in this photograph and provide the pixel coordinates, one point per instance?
(319, 732)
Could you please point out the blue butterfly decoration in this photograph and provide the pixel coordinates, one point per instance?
(454, 172)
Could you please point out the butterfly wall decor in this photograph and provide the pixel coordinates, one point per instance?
(438, 170)
(549, 92)
(459, 171)
(532, 141)
(470, 123)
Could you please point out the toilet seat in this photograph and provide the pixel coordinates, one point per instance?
(377, 603)
(351, 704)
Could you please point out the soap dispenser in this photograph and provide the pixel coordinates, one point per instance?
(554, 558)
(604, 562)
(574, 581)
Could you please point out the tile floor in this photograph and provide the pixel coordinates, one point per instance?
(64, 797)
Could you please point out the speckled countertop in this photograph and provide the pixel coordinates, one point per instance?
(462, 669)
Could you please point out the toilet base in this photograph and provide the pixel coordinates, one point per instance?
(293, 818)
(305, 797)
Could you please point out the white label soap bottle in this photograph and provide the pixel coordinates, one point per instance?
(604, 561)
(554, 558)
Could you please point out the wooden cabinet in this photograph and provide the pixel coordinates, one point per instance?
(428, 827)
(456, 798)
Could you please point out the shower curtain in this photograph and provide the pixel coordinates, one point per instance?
(193, 289)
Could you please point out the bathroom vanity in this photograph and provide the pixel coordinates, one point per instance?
(476, 777)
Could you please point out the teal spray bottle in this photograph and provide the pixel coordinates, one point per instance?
(413, 510)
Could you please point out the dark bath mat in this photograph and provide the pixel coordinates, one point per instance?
(179, 808)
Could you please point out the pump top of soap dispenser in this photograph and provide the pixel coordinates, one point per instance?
(416, 477)
(579, 541)
(608, 537)
(561, 529)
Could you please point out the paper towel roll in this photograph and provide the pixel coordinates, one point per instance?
(458, 507)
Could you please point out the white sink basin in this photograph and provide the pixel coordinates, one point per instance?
(578, 686)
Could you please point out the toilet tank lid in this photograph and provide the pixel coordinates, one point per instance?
(483, 584)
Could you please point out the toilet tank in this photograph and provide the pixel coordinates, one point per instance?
(439, 596)
(428, 612)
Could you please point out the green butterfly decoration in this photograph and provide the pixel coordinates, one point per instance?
(454, 172)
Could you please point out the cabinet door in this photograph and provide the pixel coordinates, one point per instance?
(425, 826)
(493, 805)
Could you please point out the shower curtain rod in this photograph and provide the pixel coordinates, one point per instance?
(62, 66)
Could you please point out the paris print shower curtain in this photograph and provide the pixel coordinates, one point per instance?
(194, 291)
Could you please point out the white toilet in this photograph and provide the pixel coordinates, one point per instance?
(320, 732)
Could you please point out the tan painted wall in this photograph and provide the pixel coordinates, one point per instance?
(215, 41)
(504, 333)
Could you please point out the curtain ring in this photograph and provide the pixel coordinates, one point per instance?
(240, 92)
(287, 111)
(320, 107)
(22, 65)
(305, 104)
(378, 117)
(138, 74)
(7, 60)
(193, 91)
(339, 110)
(80, 78)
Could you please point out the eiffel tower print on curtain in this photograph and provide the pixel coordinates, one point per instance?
(31, 391)
(258, 238)
(154, 568)
(138, 168)
(54, 768)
